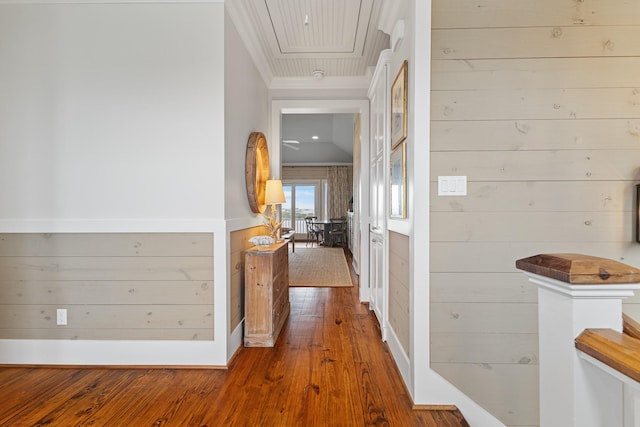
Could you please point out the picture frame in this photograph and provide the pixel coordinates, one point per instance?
(397, 183)
(399, 106)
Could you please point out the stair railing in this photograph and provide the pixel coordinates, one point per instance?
(577, 293)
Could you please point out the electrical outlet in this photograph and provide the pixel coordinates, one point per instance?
(61, 316)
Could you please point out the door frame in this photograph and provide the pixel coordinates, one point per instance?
(327, 106)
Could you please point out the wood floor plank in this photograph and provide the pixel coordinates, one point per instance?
(172, 401)
(118, 397)
(84, 402)
(47, 390)
(13, 391)
(329, 367)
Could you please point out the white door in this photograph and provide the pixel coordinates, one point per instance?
(376, 266)
(377, 199)
(377, 247)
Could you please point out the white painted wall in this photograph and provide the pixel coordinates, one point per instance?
(112, 119)
(246, 111)
(111, 111)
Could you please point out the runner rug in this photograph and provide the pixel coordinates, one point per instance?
(318, 267)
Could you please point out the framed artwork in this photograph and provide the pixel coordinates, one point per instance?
(397, 183)
(399, 107)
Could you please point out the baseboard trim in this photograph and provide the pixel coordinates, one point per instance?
(435, 408)
(161, 354)
(400, 358)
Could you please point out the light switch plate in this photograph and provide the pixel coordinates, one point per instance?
(61, 316)
(452, 186)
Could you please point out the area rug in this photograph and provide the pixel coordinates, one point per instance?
(319, 267)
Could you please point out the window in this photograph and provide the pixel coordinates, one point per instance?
(303, 200)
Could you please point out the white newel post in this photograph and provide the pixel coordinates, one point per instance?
(572, 392)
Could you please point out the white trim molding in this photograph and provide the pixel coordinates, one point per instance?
(241, 18)
(102, 353)
(604, 291)
(327, 83)
(143, 225)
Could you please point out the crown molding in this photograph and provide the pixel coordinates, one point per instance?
(355, 82)
(389, 14)
(241, 17)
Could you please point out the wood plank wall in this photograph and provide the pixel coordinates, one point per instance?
(399, 288)
(239, 244)
(538, 104)
(116, 286)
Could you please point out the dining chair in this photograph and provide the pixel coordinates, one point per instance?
(313, 232)
(338, 231)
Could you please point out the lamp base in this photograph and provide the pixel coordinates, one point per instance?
(272, 225)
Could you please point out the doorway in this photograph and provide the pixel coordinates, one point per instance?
(361, 175)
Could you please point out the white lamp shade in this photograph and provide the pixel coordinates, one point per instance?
(274, 194)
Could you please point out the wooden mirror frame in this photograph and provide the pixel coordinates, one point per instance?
(257, 171)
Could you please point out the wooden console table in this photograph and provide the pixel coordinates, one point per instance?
(266, 293)
(289, 235)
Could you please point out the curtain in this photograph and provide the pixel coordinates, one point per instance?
(340, 183)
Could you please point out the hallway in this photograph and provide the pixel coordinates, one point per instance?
(328, 368)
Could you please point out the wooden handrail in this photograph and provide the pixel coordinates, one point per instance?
(615, 349)
(579, 269)
(630, 326)
(576, 292)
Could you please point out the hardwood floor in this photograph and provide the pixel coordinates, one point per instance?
(328, 368)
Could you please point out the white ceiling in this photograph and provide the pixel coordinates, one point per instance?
(291, 39)
(334, 145)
